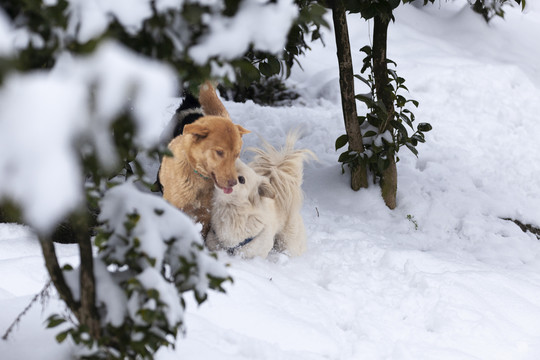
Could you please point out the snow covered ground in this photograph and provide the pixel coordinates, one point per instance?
(440, 277)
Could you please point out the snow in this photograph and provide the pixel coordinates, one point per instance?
(26, 155)
(150, 278)
(268, 26)
(440, 277)
(90, 18)
(36, 134)
(158, 223)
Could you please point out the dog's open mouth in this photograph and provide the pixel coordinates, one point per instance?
(226, 190)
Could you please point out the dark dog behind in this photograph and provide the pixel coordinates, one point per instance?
(187, 113)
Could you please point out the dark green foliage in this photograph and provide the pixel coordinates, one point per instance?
(9, 212)
(490, 9)
(369, 9)
(309, 22)
(266, 91)
(258, 75)
(380, 144)
(39, 19)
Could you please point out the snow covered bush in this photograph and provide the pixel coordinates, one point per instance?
(149, 255)
(259, 75)
(82, 85)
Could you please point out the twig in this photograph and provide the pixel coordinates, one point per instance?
(525, 227)
(39, 295)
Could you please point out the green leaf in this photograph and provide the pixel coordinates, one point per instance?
(406, 119)
(366, 99)
(374, 120)
(54, 321)
(399, 127)
(342, 141)
(248, 71)
(62, 336)
(366, 49)
(344, 157)
(400, 101)
(394, 3)
(275, 65)
(265, 69)
(394, 75)
(401, 86)
(370, 133)
(152, 261)
(424, 127)
(366, 65)
(361, 119)
(147, 315)
(388, 61)
(347, 157)
(363, 79)
(317, 11)
(419, 137)
(159, 212)
(412, 148)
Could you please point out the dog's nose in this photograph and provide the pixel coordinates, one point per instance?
(231, 182)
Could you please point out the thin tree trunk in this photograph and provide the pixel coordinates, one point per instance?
(55, 273)
(76, 228)
(384, 93)
(88, 314)
(346, 83)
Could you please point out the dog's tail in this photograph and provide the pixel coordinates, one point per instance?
(192, 108)
(284, 168)
(210, 102)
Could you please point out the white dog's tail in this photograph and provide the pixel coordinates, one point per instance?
(284, 168)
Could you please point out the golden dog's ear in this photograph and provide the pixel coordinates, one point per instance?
(241, 130)
(266, 190)
(197, 130)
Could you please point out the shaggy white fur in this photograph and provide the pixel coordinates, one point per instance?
(264, 210)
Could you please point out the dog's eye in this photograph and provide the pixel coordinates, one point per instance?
(220, 153)
(241, 180)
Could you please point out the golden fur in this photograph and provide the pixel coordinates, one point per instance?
(203, 156)
(210, 102)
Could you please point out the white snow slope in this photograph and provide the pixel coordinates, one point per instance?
(442, 276)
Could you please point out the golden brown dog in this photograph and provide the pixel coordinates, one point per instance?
(203, 155)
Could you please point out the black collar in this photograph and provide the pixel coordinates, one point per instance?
(231, 250)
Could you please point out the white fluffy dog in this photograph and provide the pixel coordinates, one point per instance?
(263, 212)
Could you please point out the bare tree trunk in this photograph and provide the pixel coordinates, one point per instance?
(55, 272)
(88, 314)
(77, 230)
(384, 93)
(346, 83)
